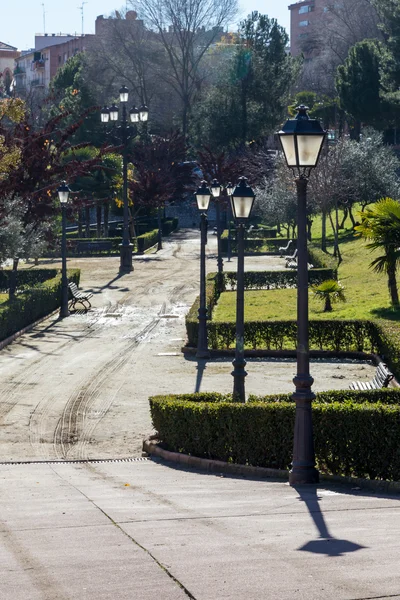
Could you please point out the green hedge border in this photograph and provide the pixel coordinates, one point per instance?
(33, 303)
(355, 433)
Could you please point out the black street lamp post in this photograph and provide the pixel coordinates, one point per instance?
(63, 194)
(242, 200)
(229, 190)
(216, 193)
(203, 196)
(126, 133)
(302, 139)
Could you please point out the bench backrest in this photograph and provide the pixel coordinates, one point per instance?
(383, 376)
(73, 287)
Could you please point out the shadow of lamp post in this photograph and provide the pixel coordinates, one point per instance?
(126, 133)
(203, 196)
(302, 139)
(63, 195)
(242, 200)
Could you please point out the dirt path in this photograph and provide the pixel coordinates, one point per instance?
(79, 388)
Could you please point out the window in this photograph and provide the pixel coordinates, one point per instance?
(304, 23)
(303, 35)
(305, 9)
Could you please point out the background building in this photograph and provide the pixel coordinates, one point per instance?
(35, 68)
(8, 55)
(306, 22)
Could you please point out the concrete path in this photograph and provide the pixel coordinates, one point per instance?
(143, 531)
(139, 529)
(79, 388)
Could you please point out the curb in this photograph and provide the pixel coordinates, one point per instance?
(152, 447)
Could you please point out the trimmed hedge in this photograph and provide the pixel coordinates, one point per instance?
(72, 244)
(272, 280)
(261, 244)
(33, 304)
(328, 335)
(26, 277)
(352, 437)
(169, 225)
(147, 240)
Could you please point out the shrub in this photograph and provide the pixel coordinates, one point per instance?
(268, 245)
(26, 277)
(33, 304)
(147, 240)
(333, 336)
(355, 433)
(73, 243)
(169, 225)
(272, 280)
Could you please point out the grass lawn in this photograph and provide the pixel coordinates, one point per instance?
(366, 292)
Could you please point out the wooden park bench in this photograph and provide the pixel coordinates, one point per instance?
(381, 380)
(283, 249)
(77, 296)
(93, 246)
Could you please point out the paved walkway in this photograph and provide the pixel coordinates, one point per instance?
(140, 529)
(79, 388)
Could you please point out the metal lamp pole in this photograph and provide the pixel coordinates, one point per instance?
(242, 203)
(127, 133)
(302, 139)
(229, 190)
(63, 194)
(203, 196)
(216, 192)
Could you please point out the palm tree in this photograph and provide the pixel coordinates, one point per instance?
(381, 225)
(329, 291)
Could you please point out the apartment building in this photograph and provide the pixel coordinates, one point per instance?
(35, 68)
(306, 18)
(8, 55)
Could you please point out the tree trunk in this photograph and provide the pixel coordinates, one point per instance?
(13, 279)
(392, 284)
(106, 216)
(98, 219)
(87, 222)
(345, 215)
(80, 224)
(309, 225)
(159, 245)
(328, 303)
(352, 219)
(336, 249)
(243, 101)
(323, 233)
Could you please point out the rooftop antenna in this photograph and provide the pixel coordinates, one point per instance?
(44, 18)
(81, 9)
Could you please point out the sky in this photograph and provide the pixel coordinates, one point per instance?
(21, 19)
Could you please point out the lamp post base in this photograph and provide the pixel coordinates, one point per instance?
(239, 373)
(126, 265)
(303, 475)
(64, 313)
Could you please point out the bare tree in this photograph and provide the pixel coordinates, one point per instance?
(344, 24)
(186, 30)
(128, 53)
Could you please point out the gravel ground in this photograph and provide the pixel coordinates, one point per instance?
(79, 388)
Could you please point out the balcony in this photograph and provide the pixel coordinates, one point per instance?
(38, 65)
